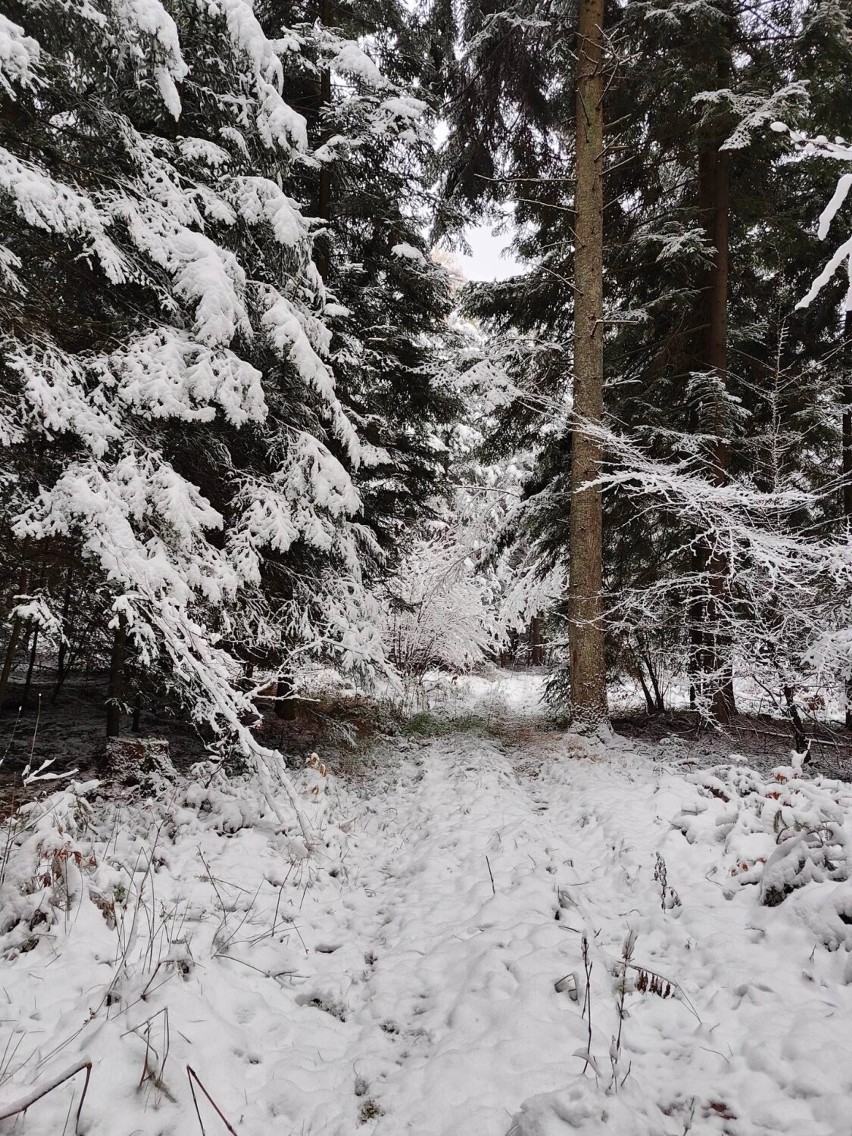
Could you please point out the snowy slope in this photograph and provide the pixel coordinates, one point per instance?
(385, 985)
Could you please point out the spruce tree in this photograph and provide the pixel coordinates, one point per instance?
(172, 418)
(704, 224)
(357, 81)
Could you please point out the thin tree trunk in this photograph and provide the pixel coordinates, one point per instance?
(115, 691)
(323, 259)
(28, 682)
(285, 706)
(714, 199)
(70, 659)
(586, 634)
(64, 641)
(8, 661)
(847, 462)
(696, 637)
(800, 737)
(847, 422)
(655, 684)
(646, 690)
(14, 637)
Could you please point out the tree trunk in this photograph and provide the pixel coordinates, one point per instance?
(714, 201)
(586, 634)
(696, 636)
(29, 679)
(62, 657)
(8, 661)
(800, 737)
(285, 706)
(659, 701)
(847, 421)
(646, 690)
(322, 256)
(115, 691)
(847, 461)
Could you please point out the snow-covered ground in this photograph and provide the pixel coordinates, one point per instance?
(422, 970)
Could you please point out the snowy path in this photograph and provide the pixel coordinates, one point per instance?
(464, 978)
(405, 995)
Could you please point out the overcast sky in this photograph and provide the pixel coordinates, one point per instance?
(486, 261)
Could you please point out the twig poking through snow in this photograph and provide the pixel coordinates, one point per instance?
(36, 1094)
(193, 1076)
(491, 874)
(587, 1001)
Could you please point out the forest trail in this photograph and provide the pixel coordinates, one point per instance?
(388, 986)
(470, 1024)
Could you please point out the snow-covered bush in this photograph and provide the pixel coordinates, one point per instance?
(436, 612)
(781, 833)
(48, 867)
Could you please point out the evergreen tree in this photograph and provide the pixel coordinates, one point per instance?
(704, 361)
(356, 80)
(171, 417)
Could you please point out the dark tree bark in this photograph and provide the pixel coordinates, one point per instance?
(696, 638)
(800, 737)
(847, 461)
(285, 706)
(323, 259)
(847, 421)
(115, 691)
(586, 633)
(14, 640)
(9, 659)
(29, 679)
(659, 701)
(649, 698)
(63, 663)
(714, 203)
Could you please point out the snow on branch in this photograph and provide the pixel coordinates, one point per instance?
(148, 18)
(259, 199)
(436, 611)
(167, 374)
(299, 337)
(754, 112)
(47, 204)
(19, 57)
(839, 151)
(196, 458)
